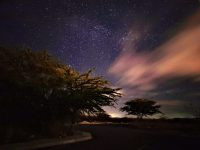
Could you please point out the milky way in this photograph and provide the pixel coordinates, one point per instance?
(101, 34)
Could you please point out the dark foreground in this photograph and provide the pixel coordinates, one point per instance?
(107, 137)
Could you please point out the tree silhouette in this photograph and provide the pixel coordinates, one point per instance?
(141, 107)
(101, 116)
(194, 109)
(37, 90)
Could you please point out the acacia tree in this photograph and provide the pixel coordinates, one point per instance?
(85, 95)
(141, 107)
(36, 88)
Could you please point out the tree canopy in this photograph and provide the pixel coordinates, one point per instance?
(141, 107)
(34, 85)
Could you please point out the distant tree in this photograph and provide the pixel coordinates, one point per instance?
(101, 116)
(141, 107)
(194, 109)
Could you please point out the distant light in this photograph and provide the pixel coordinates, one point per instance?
(115, 115)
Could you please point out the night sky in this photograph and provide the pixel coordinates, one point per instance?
(150, 48)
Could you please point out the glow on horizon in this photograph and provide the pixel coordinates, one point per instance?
(115, 115)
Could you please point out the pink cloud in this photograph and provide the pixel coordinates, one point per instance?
(178, 57)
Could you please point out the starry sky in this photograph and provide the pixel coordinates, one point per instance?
(150, 48)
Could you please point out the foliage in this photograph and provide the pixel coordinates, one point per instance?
(37, 89)
(141, 107)
(101, 116)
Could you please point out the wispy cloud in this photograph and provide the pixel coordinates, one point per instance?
(177, 57)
